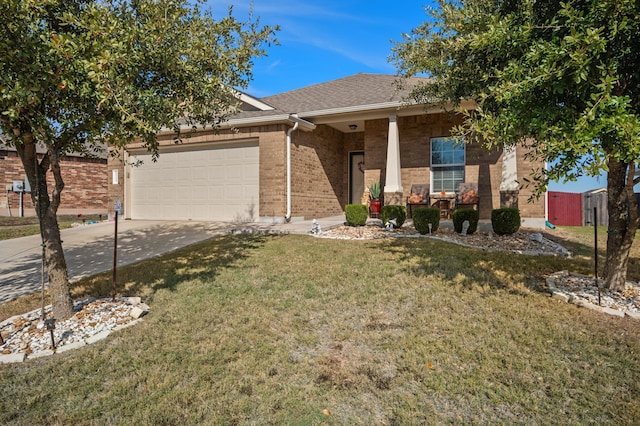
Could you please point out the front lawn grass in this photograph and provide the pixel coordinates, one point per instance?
(297, 330)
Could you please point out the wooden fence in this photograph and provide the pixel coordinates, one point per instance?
(597, 200)
(565, 208)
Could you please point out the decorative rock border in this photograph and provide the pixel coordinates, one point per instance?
(133, 307)
(549, 248)
(523, 242)
(556, 278)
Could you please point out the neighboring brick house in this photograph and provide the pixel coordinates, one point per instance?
(342, 135)
(85, 190)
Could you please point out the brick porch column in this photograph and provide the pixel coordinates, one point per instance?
(509, 188)
(393, 181)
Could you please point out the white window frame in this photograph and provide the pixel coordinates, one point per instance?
(437, 166)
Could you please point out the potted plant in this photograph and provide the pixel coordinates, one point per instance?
(374, 194)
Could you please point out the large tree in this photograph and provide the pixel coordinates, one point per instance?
(76, 74)
(560, 77)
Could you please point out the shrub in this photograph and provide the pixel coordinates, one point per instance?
(460, 215)
(399, 213)
(356, 214)
(505, 221)
(423, 216)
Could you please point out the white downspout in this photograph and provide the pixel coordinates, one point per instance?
(287, 217)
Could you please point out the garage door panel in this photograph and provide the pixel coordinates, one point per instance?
(252, 174)
(234, 194)
(216, 192)
(219, 183)
(216, 174)
(169, 194)
(154, 195)
(200, 174)
(233, 173)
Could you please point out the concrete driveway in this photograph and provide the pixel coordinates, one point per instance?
(89, 250)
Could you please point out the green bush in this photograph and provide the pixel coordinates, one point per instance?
(505, 221)
(423, 216)
(399, 213)
(356, 214)
(460, 215)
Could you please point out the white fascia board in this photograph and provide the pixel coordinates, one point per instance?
(380, 110)
(351, 109)
(273, 119)
(290, 119)
(254, 102)
(369, 112)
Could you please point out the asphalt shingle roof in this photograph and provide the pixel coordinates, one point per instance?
(352, 91)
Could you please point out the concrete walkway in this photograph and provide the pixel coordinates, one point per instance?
(89, 248)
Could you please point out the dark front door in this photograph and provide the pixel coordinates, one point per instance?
(356, 176)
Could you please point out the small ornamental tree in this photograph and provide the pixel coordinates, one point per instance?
(76, 74)
(559, 77)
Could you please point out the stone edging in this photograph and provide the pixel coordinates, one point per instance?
(556, 293)
(137, 311)
(562, 252)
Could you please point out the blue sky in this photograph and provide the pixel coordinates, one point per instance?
(325, 40)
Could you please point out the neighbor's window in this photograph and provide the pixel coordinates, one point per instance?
(447, 164)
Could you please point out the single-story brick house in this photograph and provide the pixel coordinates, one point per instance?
(85, 179)
(334, 138)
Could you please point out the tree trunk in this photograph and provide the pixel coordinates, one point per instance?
(623, 223)
(46, 209)
(56, 267)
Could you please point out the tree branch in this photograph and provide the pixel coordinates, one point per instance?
(54, 157)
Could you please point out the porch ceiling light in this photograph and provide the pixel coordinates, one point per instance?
(353, 126)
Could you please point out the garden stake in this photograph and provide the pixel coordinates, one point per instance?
(115, 259)
(50, 323)
(595, 245)
(42, 314)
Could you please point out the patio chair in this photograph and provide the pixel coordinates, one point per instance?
(419, 197)
(467, 196)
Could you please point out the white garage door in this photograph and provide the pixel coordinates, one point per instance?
(213, 183)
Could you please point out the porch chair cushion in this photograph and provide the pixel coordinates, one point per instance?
(415, 198)
(419, 194)
(467, 195)
(419, 197)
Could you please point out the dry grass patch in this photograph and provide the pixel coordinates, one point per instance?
(293, 329)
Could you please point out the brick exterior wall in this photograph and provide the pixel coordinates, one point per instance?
(525, 166)
(85, 189)
(320, 164)
(375, 151)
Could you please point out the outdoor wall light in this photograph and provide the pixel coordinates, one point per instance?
(353, 126)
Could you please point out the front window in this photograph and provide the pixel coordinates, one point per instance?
(447, 164)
